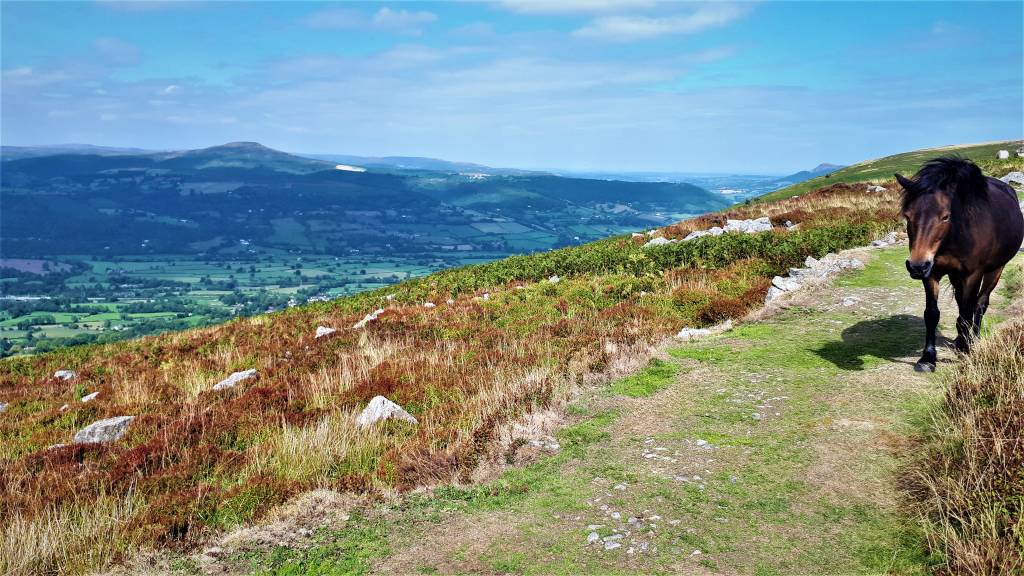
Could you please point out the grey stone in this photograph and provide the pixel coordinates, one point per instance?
(90, 397)
(106, 430)
(65, 374)
(232, 380)
(659, 241)
(593, 537)
(380, 408)
(322, 331)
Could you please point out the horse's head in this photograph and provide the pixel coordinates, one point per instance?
(928, 213)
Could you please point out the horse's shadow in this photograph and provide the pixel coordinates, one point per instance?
(894, 338)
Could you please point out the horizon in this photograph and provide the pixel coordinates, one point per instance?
(632, 86)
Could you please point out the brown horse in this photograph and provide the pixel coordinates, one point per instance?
(963, 225)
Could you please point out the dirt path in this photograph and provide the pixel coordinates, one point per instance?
(766, 450)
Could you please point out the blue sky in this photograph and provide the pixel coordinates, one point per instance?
(764, 87)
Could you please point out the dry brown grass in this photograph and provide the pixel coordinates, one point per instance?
(968, 486)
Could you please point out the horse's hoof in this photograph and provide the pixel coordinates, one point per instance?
(924, 367)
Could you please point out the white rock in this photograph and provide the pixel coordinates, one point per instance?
(695, 553)
(65, 374)
(612, 545)
(368, 318)
(3, 406)
(90, 397)
(593, 537)
(234, 379)
(322, 331)
(713, 231)
(1003, 154)
(811, 262)
(687, 334)
(106, 430)
(849, 301)
(380, 408)
(785, 284)
(659, 241)
(1014, 178)
(773, 293)
(637, 235)
(554, 279)
(763, 224)
(389, 297)
(429, 305)
(876, 188)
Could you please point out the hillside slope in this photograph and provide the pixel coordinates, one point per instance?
(467, 352)
(882, 169)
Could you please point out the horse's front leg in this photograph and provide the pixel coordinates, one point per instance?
(968, 304)
(931, 321)
(988, 284)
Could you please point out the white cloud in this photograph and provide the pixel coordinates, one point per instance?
(117, 52)
(573, 6)
(643, 27)
(404, 21)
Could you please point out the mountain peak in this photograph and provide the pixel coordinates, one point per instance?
(825, 167)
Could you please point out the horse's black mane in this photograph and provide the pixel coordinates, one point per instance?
(957, 176)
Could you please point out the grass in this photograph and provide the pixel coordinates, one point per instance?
(655, 377)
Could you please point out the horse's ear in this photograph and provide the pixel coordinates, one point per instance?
(907, 183)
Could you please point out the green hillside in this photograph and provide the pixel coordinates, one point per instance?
(882, 169)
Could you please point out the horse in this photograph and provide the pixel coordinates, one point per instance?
(964, 225)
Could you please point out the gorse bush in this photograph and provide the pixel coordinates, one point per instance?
(196, 461)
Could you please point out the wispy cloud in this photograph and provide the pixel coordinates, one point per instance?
(622, 28)
(573, 6)
(402, 21)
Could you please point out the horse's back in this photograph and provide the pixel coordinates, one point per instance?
(1006, 211)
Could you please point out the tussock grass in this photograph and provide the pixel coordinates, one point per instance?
(967, 487)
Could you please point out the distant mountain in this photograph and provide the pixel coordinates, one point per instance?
(819, 170)
(418, 163)
(16, 152)
(213, 198)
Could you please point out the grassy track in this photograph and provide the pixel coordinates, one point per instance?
(807, 486)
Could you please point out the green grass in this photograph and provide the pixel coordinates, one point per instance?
(657, 376)
(907, 164)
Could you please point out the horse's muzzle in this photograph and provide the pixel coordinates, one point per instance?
(920, 270)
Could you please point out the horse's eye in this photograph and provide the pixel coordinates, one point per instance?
(945, 218)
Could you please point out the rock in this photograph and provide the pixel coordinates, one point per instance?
(785, 284)
(876, 188)
(637, 235)
(687, 334)
(849, 301)
(1014, 178)
(106, 430)
(713, 231)
(429, 305)
(811, 262)
(234, 379)
(368, 318)
(773, 293)
(695, 553)
(612, 545)
(659, 241)
(380, 408)
(65, 374)
(3, 407)
(90, 397)
(1003, 154)
(322, 331)
(763, 224)
(390, 297)
(554, 279)
(593, 538)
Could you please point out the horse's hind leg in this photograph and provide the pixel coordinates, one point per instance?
(967, 292)
(988, 284)
(931, 321)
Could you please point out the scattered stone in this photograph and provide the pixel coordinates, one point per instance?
(849, 301)
(64, 408)
(637, 235)
(1014, 178)
(695, 553)
(368, 318)
(380, 408)
(756, 416)
(390, 297)
(65, 374)
(554, 279)
(687, 334)
(713, 231)
(106, 430)
(1003, 154)
(234, 379)
(322, 331)
(785, 284)
(90, 397)
(876, 188)
(3, 406)
(429, 305)
(612, 545)
(659, 241)
(593, 538)
(763, 224)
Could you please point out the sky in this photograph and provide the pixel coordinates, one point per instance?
(630, 85)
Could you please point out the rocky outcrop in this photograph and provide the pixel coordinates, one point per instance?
(322, 331)
(234, 379)
(368, 318)
(752, 226)
(1014, 178)
(380, 408)
(814, 271)
(65, 374)
(106, 430)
